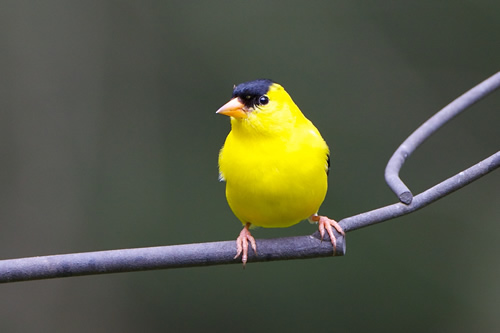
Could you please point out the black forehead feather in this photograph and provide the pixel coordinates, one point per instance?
(252, 88)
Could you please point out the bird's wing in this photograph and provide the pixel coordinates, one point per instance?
(328, 162)
(221, 177)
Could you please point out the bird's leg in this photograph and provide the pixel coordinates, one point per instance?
(242, 244)
(324, 223)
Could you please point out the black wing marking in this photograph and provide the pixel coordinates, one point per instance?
(328, 162)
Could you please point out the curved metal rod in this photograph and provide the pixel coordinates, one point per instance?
(425, 198)
(427, 129)
(217, 253)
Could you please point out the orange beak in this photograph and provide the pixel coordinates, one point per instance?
(233, 108)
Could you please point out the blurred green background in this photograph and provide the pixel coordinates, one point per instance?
(109, 139)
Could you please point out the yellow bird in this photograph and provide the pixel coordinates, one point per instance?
(274, 161)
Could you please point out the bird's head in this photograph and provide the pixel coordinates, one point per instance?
(261, 106)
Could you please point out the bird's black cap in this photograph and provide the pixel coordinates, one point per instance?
(250, 91)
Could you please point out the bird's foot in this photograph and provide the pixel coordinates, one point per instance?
(242, 244)
(324, 223)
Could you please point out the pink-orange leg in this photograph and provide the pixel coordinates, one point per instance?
(242, 244)
(324, 223)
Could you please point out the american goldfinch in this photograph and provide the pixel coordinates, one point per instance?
(274, 161)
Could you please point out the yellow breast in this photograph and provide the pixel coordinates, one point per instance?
(275, 181)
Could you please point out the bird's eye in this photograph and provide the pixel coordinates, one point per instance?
(263, 100)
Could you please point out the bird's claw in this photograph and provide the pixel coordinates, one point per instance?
(242, 244)
(324, 223)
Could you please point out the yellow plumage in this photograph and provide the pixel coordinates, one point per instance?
(274, 162)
